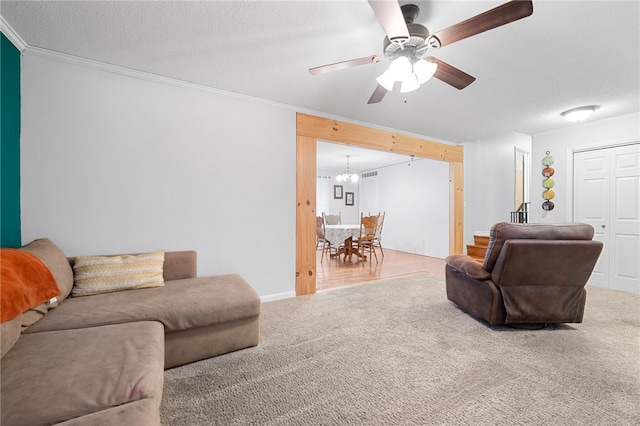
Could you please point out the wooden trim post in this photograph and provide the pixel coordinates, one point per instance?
(305, 215)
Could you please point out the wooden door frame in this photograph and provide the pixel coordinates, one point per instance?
(309, 129)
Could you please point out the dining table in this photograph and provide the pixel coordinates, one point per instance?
(341, 236)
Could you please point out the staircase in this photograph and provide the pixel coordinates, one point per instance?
(478, 249)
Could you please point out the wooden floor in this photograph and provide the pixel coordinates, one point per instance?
(333, 273)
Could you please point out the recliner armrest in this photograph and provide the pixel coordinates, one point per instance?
(468, 266)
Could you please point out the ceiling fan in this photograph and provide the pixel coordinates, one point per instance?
(406, 44)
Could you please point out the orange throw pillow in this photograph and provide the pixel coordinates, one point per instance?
(25, 282)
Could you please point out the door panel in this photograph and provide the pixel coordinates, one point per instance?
(625, 218)
(591, 205)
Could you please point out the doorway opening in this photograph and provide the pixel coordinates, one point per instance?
(411, 192)
(309, 130)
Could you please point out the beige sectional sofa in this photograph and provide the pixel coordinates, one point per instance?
(99, 359)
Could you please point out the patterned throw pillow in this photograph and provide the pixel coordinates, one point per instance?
(105, 274)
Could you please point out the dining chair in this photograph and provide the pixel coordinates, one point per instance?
(365, 241)
(377, 241)
(332, 219)
(318, 239)
(321, 239)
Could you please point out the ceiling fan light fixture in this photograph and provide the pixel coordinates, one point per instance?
(400, 68)
(424, 70)
(410, 83)
(387, 80)
(406, 41)
(579, 114)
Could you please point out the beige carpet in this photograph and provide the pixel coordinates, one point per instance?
(396, 352)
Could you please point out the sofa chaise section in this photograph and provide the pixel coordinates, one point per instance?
(91, 376)
(202, 316)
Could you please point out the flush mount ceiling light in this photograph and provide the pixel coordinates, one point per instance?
(347, 176)
(579, 114)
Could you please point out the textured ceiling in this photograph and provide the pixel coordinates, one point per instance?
(567, 54)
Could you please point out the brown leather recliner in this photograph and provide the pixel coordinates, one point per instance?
(532, 273)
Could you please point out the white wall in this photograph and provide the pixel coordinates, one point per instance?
(489, 181)
(349, 214)
(416, 201)
(489, 172)
(561, 143)
(112, 163)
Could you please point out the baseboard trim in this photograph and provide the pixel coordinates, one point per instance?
(277, 296)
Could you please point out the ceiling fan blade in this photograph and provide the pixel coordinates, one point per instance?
(377, 95)
(450, 74)
(372, 59)
(390, 16)
(493, 18)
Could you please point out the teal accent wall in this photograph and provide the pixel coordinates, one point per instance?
(10, 235)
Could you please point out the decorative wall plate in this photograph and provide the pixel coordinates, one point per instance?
(548, 183)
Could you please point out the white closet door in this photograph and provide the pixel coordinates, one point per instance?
(625, 218)
(606, 195)
(591, 204)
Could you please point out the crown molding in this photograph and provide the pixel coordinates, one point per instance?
(141, 75)
(13, 36)
(128, 72)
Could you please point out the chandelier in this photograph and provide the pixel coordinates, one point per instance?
(347, 176)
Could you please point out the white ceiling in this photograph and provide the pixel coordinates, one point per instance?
(567, 54)
(332, 156)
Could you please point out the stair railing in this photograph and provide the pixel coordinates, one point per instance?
(521, 215)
